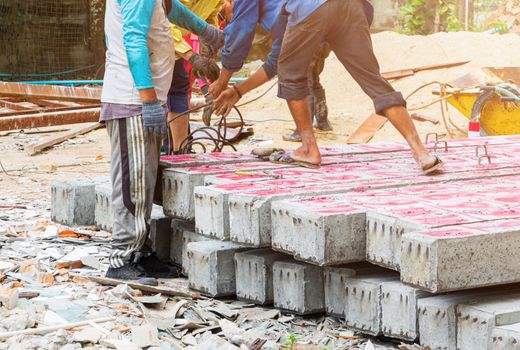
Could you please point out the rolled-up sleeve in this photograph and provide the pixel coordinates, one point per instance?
(271, 65)
(240, 33)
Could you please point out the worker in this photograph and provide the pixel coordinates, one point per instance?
(138, 72)
(240, 32)
(189, 60)
(316, 100)
(345, 26)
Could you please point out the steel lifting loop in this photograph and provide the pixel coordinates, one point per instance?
(484, 157)
(431, 134)
(437, 143)
(484, 147)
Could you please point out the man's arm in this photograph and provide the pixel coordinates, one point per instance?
(183, 17)
(240, 33)
(210, 36)
(228, 98)
(137, 17)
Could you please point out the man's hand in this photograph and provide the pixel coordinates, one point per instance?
(213, 39)
(216, 87)
(154, 118)
(204, 68)
(225, 102)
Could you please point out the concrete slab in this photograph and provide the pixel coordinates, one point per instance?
(254, 275)
(334, 288)
(298, 287)
(335, 285)
(211, 267)
(160, 233)
(506, 337)
(476, 321)
(179, 184)
(399, 310)
(103, 213)
(438, 321)
(73, 202)
(320, 237)
(362, 310)
(462, 257)
(212, 202)
(438, 314)
(199, 159)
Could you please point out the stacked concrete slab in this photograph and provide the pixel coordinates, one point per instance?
(280, 234)
(254, 275)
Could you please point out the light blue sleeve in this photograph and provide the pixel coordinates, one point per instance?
(137, 18)
(183, 17)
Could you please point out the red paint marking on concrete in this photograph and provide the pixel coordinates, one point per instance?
(509, 199)
(451, 232)
(445, 220)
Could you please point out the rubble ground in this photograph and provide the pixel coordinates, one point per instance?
(44, 270)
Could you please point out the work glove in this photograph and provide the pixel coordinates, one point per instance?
(213, 39)
(204, 68)
(207, 112)
(154, 118)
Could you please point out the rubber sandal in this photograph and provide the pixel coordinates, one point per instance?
(285, 158)
(437, 165)
(266, 152)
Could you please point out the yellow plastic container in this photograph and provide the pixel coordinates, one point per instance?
(497, 117)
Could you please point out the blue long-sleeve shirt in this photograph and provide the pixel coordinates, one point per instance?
(240, 33)
(272, 15)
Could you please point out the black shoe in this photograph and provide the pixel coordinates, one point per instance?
(154, 267)
(128, 272)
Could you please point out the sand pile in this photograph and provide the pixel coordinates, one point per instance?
(349, 106)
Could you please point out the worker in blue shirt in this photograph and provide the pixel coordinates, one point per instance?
(138, 71)
(240, 33)
(344, 25)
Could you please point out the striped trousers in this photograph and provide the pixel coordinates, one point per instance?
(134, 166)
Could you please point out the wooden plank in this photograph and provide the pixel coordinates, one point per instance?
(52, 104)
(55, 139)
(14, 106)
(181, 291)
(398, 74)
(39, 120)
(402, 73)
(367, 129)
(34, 110)
(505, 73)
(51, 92)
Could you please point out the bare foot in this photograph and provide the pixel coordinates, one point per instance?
(307, 154)
(430, 164)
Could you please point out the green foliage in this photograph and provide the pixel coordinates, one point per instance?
(499, 27)
(292, 339)
(428, 16)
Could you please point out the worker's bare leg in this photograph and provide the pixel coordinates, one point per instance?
(308, 151)
(179, 129)
(401, 120)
